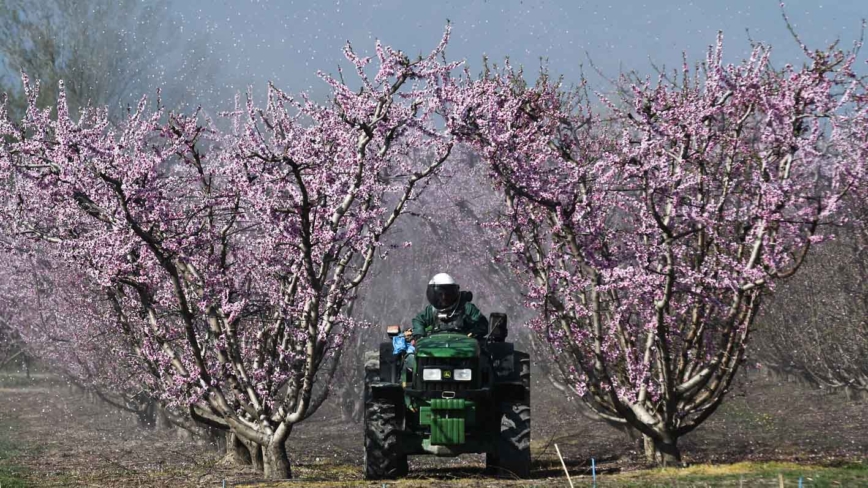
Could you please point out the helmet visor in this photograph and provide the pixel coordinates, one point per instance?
(442, 297)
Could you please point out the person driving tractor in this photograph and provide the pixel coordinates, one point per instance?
(449, 308)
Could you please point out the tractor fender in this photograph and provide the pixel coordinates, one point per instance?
(381, 390)
(512, 379)
(389, 362)
(510, 391)
(500, 357)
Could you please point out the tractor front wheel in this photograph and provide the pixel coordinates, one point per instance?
(383, 457)
(511, 456)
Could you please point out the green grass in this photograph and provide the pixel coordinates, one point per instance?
(11, 475)
(748, 473)
(744, 474)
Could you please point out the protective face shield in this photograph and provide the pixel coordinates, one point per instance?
(442, 292)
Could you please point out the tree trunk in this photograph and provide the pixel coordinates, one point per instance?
(662, 452)
(256, 456)
(651, 456)
(163, 422)
(214, 438)
(848, 393)
(670, 455)
(276, 459)
(351, 409)
(359, 409)
(237, 451)
(184, 434)
(346, 408)
(146, 414)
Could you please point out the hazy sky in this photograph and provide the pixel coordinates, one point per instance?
(288, 41)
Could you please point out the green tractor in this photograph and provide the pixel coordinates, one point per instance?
(462, 395)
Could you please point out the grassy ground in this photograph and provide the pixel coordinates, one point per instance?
(749, 474)
(744, 474)
(12, 475)
(50, 435)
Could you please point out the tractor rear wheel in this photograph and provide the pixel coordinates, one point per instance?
(383, 456)
(511, 456)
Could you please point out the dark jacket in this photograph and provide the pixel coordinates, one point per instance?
(471, 321)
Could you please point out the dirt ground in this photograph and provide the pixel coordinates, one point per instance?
(51, 435)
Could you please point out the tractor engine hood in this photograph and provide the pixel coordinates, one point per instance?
(447, 345)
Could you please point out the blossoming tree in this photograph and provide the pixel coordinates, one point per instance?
(649, 233)
(828, 345)
(231, 256)
(71, 326)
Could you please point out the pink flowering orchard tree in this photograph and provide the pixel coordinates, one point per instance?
(70, 325)
(232, 256)
(828, 344)
(648, 234)
(11, 347)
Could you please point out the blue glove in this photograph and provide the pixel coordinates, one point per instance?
(399, 345)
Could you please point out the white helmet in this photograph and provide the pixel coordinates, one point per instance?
(442, 292)
(442, 279)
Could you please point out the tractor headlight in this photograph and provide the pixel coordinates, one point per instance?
(431, 374)
(463, 374)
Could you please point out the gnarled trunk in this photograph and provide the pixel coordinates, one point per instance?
(277, 466)
(352, 405)
(146, 413)
(663, 451)
(249, 452)
(237, 452)
(163, 422)
(256, 457)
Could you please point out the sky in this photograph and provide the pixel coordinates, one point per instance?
(286, 42)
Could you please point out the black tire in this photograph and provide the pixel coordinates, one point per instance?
(383, 457)
(511, 456)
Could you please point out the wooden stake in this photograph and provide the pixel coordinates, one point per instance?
(564, 465)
